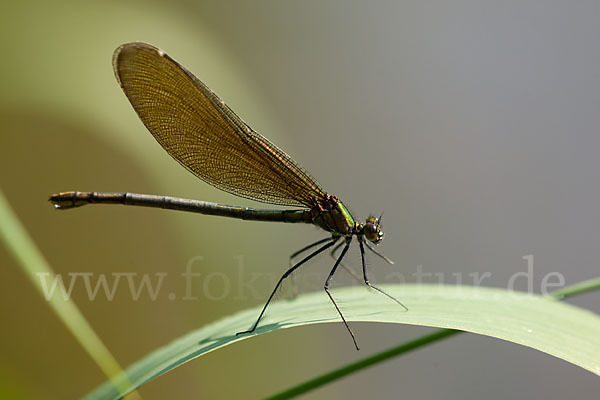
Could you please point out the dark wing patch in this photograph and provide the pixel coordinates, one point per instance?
(204, 135)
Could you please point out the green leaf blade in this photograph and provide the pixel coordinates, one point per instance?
(542, 323)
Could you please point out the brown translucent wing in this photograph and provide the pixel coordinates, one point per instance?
(199, 131)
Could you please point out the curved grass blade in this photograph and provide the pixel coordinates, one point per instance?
(331, 376)
(362, 364)
(542, 323)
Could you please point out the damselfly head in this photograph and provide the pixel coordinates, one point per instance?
(372, 230)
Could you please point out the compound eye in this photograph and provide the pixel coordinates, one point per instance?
(372, 232)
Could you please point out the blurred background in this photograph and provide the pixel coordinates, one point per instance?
(472, 124)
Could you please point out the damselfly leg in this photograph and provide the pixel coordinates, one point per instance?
(326, 287)
(364, 267)
(285, 275)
